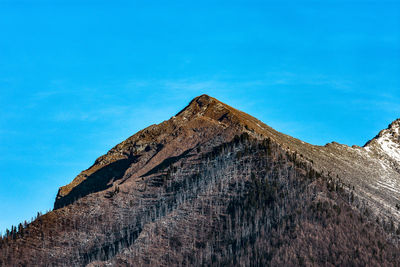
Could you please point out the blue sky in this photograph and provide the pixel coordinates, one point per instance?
(77, 77)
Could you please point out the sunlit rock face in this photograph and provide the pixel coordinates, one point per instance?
(387, 142)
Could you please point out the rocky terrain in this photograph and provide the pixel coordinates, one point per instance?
(215, 186)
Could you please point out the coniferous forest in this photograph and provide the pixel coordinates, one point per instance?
(246, 202)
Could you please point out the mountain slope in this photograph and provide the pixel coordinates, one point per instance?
(204, 119)
(214, 185)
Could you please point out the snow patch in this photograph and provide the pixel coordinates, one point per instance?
(389, 185)
(390, 148)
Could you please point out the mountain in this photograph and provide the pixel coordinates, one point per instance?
(387, 143)
(215, 186)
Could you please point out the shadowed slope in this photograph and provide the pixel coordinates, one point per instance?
(99, 180)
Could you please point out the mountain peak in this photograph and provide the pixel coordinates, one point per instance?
(391, 132)
(204, 99)
(395, 125)
(388, 141)
(198, 105)
(210, 108)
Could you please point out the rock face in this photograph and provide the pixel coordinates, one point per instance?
(387, 143)
(204, 120)
(215, 186)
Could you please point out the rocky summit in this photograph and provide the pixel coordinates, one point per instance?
(215, 186)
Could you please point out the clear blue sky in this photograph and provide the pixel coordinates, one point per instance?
(77, 77)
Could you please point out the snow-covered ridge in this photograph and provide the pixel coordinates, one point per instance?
(391, 148)
(388, 141)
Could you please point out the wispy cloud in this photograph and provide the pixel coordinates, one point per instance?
(296, 79)
(268, 79)
(90, 115)
(112, 100)
(387, 103)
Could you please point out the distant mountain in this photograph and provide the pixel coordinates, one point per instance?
(215, 186)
